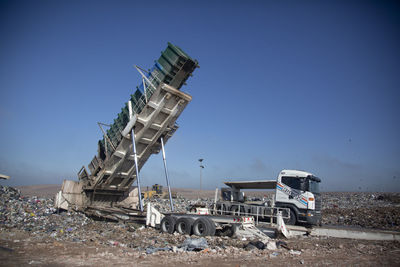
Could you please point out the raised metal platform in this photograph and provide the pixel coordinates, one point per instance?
(157, 119)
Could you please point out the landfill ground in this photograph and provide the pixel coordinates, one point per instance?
(33, 233)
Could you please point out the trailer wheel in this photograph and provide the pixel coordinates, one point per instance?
(168, 224)
(184, 226)
(203, 227)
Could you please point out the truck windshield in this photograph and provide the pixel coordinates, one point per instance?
(295, 182)
(314, 186)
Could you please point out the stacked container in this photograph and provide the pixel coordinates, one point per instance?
(173, 68)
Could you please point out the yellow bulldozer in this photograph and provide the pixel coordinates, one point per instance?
(155, 192)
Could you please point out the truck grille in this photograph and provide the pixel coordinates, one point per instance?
(318, 202)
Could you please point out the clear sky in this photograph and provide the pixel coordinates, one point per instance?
(309, 85)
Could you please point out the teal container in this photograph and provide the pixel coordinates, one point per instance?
(176, 65)
(173, 67)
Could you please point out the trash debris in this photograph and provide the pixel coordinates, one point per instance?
(195, 244)
(295, 252)
(254, 244)
(6, 249)
(282, 244)
(56, 229)
(250, 246)
(271, 245)
(361, 209)
(274, 254)
(151, 250)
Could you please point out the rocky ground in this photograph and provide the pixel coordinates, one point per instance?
(32, 232)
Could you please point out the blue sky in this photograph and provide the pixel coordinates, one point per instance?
(310, 85)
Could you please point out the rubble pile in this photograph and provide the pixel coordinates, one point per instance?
(37, 217)
(31, 223)
(181, 204)
(368, 210)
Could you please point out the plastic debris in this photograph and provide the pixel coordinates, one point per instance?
(151, 250)
(195, 244)
(295, 252)
(274, 254)
(271, 245)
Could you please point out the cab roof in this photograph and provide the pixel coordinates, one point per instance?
(271, 184)
(261, 184)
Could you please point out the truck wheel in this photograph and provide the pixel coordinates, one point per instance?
(168, 224)
(292, 220)
(235, 211)
(184, 226)
(203, 227)
(221, 210)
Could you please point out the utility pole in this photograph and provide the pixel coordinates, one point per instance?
(201, 167)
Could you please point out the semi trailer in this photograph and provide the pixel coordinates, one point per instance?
(296, 200)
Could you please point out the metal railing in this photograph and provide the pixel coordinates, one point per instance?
(149, 84)
(260, 212)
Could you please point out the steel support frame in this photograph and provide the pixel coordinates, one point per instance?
(137, 169)
(166, 174)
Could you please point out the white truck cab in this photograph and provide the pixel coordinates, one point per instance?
(299, 191)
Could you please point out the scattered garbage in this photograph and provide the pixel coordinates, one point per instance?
(37, 217)
(274, 254)
(151, 250)
(282, 244)
(6, 249)
(269, 245)
(194, 244)
(295, 252)
(362, 209)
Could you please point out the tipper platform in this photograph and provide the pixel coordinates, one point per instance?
(150, 114)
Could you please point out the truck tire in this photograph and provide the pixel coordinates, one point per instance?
(235, 211)
(292, 220)
(184, 226)
(203, 227)
(221, 210)
(167, 224)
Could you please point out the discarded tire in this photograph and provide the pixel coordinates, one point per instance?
(203, 227)
(230, 230)
(168, 224)
(184, 226)
(234, 229)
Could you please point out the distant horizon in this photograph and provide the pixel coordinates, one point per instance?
(208, 190)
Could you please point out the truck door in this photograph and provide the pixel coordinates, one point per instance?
(290, 190)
